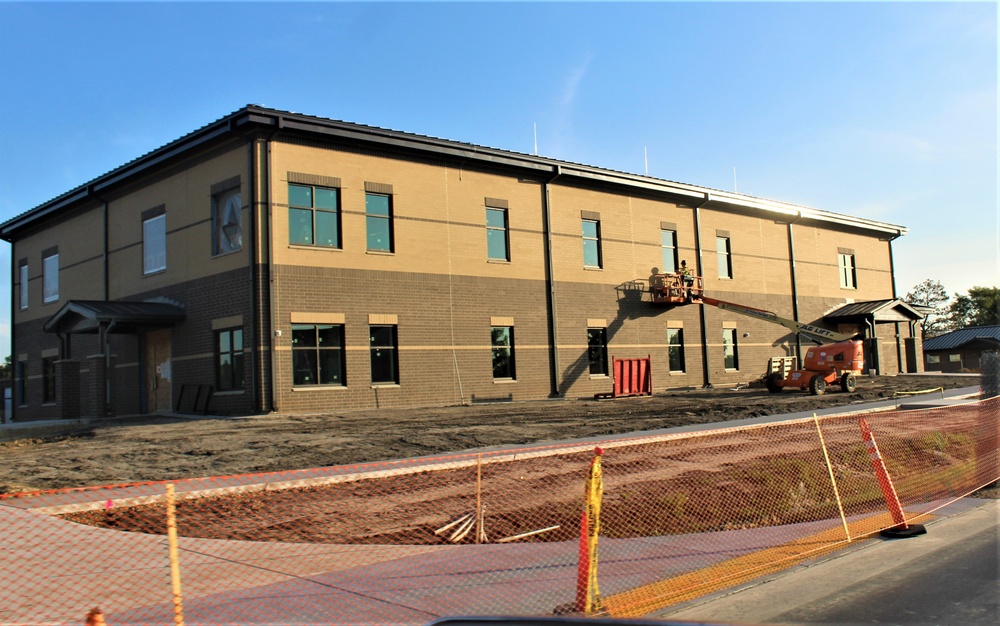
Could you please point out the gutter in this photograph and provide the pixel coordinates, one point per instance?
(795, 288)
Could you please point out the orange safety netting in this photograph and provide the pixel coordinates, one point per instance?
(625, 529)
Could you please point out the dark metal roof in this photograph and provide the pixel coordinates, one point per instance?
(260, 119)
(87, 316)
(881, 310)
(962, 336)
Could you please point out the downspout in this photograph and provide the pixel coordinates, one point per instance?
(256, 335)
(270, 266)
(705, 363)
(795, 288)
(105, 260)
(551, 281)
(104, 341)
(15, 368)
(892, 274)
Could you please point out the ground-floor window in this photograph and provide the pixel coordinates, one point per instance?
(48, 379)
(229, 359)
(502, 339)
(22, 382)
(730, 349)
(597, 351)
(383, 346)
(318, 354)
(675, 343)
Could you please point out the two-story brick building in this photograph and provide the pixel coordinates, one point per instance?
(294, 263)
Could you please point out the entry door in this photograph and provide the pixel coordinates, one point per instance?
(158, 374)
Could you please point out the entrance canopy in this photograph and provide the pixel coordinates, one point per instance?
(98, 316)
(875, 311)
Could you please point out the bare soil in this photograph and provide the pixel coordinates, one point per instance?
(162, 448)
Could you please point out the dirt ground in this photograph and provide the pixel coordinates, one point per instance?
(161, 448)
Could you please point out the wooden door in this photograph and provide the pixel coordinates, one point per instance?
(158, 371)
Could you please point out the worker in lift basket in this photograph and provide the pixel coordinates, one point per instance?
(687, 278)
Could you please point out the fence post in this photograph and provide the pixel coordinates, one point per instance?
(175, 565)
(901, 529)
(833, 480)
(588, 594)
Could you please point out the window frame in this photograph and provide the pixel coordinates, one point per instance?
(600, 363)
(336, 211)
(676, 348)
(933, 358)
(498, 348)
(23, 291)
(148, 236)
(724, 256)
(389, 218)
(391, 348)
(848, 268)
(672, 248)
(732, 351)
(594, 240)
(233, 352)
(318, 351)
(50, 278)
(505, 230)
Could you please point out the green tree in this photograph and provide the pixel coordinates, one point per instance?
(932, 294)
(5, 369)
(981, 307)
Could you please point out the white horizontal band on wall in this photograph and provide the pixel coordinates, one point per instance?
(675, 324)
(383, 318)
(596, 323)
(501, 321)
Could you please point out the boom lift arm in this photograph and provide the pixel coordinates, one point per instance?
(818, 334)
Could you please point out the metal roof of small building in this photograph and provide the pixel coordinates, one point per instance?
(873, 307)
(962, 336)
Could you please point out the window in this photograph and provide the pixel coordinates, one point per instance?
(154, 244)
(675, 349)
(23, 271)
(591, 243)
(318, 354)
(723, 249)
(314, 216)
(597, 351)
(729, 349)
(502, 339)
(848, 271)
(48, 379)
(229, 359)
(954, 358)
(50, 278)
(227, 222)
(382, 341)
(668, 244)
(933, 358)
(378, 218)
(497, 248)
(22, 382)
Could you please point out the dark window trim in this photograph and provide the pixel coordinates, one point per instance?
(233, 351)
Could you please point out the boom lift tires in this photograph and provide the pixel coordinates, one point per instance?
(817, 385)
(773, 382)
(848, 382)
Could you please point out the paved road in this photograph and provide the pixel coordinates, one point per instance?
(948, 576)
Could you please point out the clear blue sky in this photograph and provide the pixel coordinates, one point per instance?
(885, 111)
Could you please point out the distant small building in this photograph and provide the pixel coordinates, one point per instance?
(960, 349)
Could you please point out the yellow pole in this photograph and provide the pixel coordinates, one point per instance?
(175, 564)
(833, 480)
(479, 498)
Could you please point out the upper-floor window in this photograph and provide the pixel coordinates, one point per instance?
(724, 253)
(668, 245)
(848, 270)
(314, 216)
(502, 341)
(591, 243)
(23, 276)
(497, 243)
(597, 351)
(378, 222)
(730, 350)
(50, 278)
(154, 244)
(227, 218)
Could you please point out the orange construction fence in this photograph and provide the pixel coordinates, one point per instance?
(622, 529)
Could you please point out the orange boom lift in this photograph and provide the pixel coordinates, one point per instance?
(826, 364)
